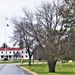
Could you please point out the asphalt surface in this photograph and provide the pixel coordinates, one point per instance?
(12, 69)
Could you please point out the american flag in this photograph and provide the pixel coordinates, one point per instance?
(7, 25)
(6, 18)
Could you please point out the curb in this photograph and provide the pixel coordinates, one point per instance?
(33, 73)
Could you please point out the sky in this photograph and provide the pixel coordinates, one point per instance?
(10, 9)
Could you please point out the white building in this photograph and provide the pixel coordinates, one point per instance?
(24, 53)
(9, 53)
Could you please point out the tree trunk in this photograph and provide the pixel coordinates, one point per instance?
(51, 66)
(29, 60)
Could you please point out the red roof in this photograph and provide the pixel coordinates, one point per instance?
(10, 49)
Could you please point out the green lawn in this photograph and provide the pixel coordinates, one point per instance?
(7, 62)
(13, 61)
(42, 69)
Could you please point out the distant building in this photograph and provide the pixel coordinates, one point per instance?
(10, 53)
(24, 53)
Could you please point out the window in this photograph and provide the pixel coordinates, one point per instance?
(10, 56)
(2, 52)
(14, 52)
(26, 56)
(26, 51)
(22, 51)
(1, 56)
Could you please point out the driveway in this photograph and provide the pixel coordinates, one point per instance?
(12, 69)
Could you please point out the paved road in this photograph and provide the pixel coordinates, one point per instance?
(12, 69)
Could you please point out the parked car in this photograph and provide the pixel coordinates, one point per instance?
(5, 58)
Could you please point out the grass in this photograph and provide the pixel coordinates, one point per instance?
(13, 61)
(7, 62)
(42, 69)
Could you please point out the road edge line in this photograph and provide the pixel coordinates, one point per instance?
(33, 73)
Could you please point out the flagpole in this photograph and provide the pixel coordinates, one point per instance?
(5, 40)
(5, 35)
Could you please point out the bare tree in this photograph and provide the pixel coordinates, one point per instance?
(47, 30)
(24, 34)
(49, 20)
(42, 31)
